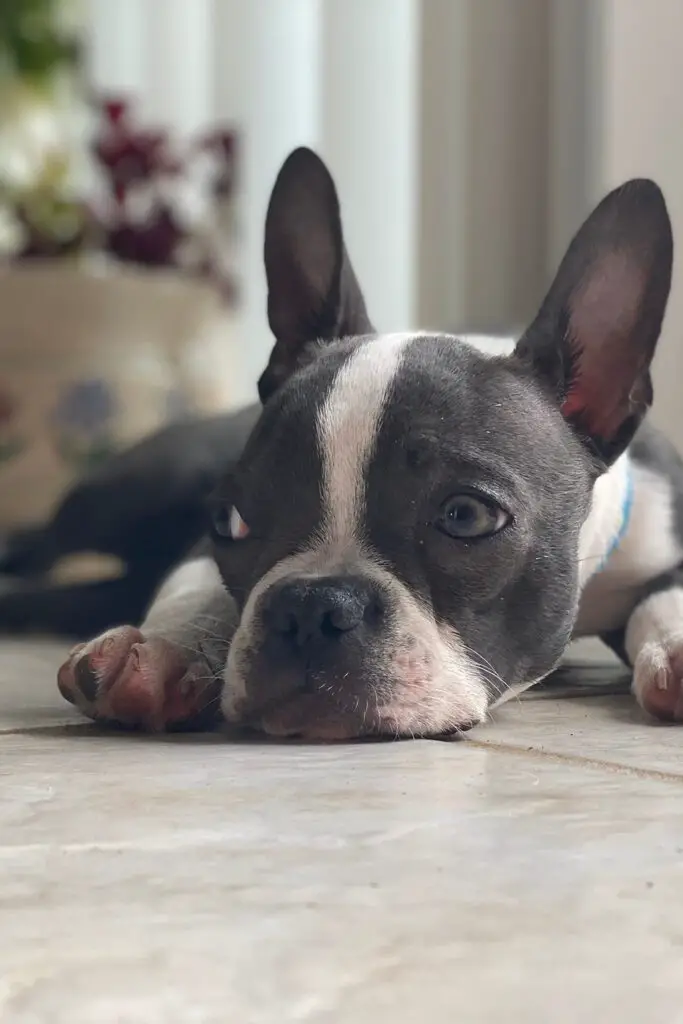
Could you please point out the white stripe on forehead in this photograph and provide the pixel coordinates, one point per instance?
(347, 428)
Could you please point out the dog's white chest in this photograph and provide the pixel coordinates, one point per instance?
(648, 548)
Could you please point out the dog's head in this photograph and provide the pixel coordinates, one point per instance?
(404, 531)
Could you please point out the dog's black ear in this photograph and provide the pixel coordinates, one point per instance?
(595, 335)
(312, 290)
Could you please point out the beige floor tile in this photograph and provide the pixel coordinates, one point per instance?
(28, 690)
(611, 730)
(155, 881)
(207, 881)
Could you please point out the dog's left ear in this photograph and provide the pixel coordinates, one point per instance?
(595, 335)
(313, 294)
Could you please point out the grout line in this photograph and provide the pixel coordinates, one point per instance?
(59, 727)
(100, 730)
(91, 729)
(560, 691)
(575, 759)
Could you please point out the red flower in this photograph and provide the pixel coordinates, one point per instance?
(128, 154)
(153, 244)
(115, 110)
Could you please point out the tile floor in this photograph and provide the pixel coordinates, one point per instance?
(531, 873)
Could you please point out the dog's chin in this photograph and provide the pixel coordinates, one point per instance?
(314, 718)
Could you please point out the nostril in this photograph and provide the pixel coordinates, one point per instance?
(328, 628)
(289, 626)
(302, 611)
(374, 612)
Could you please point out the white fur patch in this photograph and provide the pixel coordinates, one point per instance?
(648, 548)
(605, 519)
(657, 620)
(348, 423)
(191, 601)
(650, 545)
(654, 641)
(188, 578)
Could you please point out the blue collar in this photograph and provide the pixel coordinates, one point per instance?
(626, 510)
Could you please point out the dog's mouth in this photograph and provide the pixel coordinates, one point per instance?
(312, 705)
(313, 717)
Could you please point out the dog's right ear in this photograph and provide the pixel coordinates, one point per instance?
(593, 340)
(313, 294)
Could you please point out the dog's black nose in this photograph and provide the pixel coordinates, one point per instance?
(309, 610)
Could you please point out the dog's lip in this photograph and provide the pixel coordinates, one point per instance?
(311, 716)
(315, 717)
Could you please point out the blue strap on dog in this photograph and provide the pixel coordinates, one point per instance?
(626, 510)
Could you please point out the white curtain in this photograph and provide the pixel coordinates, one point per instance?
(433, 114)
(339, 75)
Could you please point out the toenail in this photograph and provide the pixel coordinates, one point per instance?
(64, 689)
(86, 680)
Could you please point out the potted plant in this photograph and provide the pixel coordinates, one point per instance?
(117, 289)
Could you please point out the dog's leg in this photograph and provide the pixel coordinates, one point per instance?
(75, 610)
(167, 674)
(653, 644)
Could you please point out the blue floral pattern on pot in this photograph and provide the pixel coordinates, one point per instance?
(83, 420)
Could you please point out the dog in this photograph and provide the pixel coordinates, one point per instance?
(415, 529)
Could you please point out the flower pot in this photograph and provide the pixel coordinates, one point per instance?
(90, 361)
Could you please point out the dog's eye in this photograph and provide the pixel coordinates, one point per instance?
(468, 517)
(228, 523)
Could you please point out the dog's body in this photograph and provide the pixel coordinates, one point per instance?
(416, 528)
(145, 507)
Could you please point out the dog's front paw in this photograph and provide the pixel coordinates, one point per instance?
(140, 682)
(658, 679)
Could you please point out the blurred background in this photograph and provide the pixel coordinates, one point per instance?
(139, 140)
